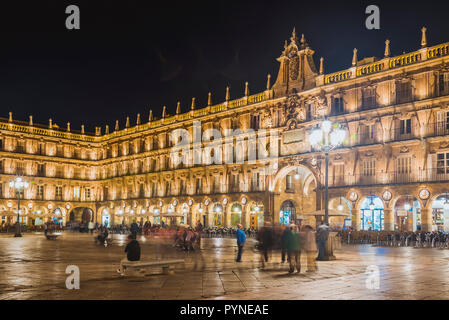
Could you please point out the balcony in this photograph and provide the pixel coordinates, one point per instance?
(388, 178)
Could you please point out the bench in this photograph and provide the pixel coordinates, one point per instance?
(52, 236)
(165, 264)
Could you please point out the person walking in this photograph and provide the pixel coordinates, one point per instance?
(132, 253)
(241, 239)
(266, 238)
(322, 234)
(45, 228)
(284, 238)
(294, 249)
(310, 248)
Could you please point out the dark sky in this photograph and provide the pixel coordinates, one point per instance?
(130, 56)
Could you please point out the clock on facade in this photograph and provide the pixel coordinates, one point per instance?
(387, 195)
(353, 196)
(424, 194)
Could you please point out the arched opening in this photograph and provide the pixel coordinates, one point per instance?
(407, 214)
(79, 218)
(440, 213)
(217, 215)
(256, 216)
(236, 214)
(342, 206)
(57, 216)
(372, 214)
(105, 217)
(287, 214)
(295, 191)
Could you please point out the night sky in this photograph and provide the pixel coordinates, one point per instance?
(130, 56)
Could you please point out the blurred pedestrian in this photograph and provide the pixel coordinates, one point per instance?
(266, 238)
(91, 227)
(310, 248)
(284, 237)
(322, 234)
(134, 229)
(241, 239)
(294, 249)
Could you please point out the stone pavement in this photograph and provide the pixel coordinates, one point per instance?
(34, 268)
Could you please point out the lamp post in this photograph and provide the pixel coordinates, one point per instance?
(19, 185)
(326, 137)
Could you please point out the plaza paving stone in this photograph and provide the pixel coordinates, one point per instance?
(32, 267)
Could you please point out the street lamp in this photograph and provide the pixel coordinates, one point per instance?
(327, 137)
(19, 185)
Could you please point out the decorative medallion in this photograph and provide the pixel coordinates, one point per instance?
(161, 203)
(424, 194)
(206, 202)
(244, 200)
(175, 203)
(225, 201)
(404, 150)
(353, 196)
(387, 195)
(190, 202)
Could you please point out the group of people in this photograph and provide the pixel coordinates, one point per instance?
(187, 238)
(292, 241)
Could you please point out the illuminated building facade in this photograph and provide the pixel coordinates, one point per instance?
(391, 173)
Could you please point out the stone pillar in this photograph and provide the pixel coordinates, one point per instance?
(244, 216)
(226, 218)
(426, 220)
(388, 220)
(355, 216)
(446, 220)
(409, 221)
(190, 221)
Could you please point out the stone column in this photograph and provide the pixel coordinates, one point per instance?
(225, 216)
(409, 221)
(244, 217)
(355, 216)
(446, 220)
(426, 220)
(388, 220)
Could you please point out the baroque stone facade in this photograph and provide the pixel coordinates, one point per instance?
(391, 173)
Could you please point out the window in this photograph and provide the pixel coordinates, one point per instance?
(40, 192)
(368, 98)
(154, 191)
(369, 168)
(235, 182)
(403, 91)
(1, 190)
(198, 185)
(216, 186)
(443, 83)
(255, 122)
(58, 192)
(404, 165)
(183, 186)
(76, 193)
(442, 123)
(255, 181)
(288, 183)
(40, 169)
(337, 105)
(167, 188)
(87, 193)
(1, 166)
(1, 144)
(406, 126)
(443, 163)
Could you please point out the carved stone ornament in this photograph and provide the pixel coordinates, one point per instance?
(295, 109)
(404, 150)
(369, 154)
(444, 145)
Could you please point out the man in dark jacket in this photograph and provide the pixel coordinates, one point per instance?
(132, 252)
(294, 249)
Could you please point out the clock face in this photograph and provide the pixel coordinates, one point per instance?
(424, 194)
(353, 196)
(387, 195)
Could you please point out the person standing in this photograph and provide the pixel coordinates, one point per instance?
(45, 228)
(91, 227)
(294, 249)
(310, 248)
(322, 235)
(134, 229)
(241, 239)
